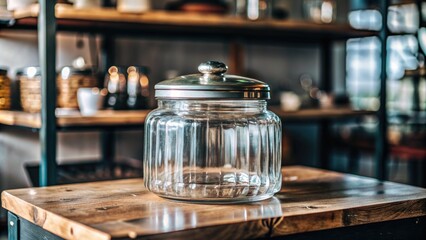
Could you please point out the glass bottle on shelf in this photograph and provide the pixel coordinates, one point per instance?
(137, 87)
(115, 83)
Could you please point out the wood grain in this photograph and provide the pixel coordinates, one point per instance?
(74, 118)
(310, 200)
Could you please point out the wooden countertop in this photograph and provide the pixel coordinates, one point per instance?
(310, 200)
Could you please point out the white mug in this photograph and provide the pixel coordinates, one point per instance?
(290, 101)
(133, 6)
(90, 100)
(19, 4)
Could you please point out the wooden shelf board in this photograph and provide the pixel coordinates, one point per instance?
(320, 113)
(137, 117)
(109, 19)
(74, 118)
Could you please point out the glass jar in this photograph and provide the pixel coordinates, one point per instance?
(4, 90)
(212, 139)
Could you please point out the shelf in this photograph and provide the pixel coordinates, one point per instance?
(319, 113)
(111, 118)
(420, 72)
(70, 119)
(184, 24)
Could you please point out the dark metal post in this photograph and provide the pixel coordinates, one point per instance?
(108, 147)
(47, 55)
(326, 65)
(107, 137)
(382, 147)
(325, 85)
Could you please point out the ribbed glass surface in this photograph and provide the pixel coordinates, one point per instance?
(226, 151)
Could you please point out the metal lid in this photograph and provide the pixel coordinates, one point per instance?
(212, 83)
(29, 72)
(69, 70)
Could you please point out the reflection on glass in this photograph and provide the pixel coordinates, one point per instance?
(363, 55)
(422, 94)
(363, 72)
(400, 95)
(365, 19)
(402, 56)
(422, 39)
(174, 217)
(403, 18)
(423, 10)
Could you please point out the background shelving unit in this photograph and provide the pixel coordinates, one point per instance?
(166, 24)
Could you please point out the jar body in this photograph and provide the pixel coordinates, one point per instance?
(4, 92)
(213, 151)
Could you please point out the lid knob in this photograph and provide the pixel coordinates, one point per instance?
(213, 67)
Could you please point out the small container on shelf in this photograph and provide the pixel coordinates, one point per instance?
(137, 87)
(69, 80)
(127, 88)
(115, 83)
(4, 89)
(30, 88)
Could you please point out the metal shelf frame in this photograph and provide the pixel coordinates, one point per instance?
(47, 55)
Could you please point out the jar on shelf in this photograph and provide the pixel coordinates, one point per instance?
(115, 83)
(69, 80)
(320, 11)
(29, 79)
(137, 87)
(212, 139)
(258, 9)
(4, 89)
